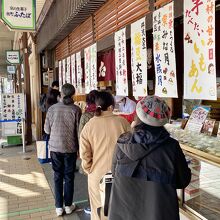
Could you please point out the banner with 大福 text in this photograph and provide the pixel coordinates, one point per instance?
(121, 63)
(164, 52)
(139, 58)
(199, 50)
(79, 73)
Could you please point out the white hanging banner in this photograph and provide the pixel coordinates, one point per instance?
(68, 76)
(90, 54)
(121, 63)
(139, 58)
(60, 75)
(93, 82)
(87, 63)
(199, 50)
(164, 52)
(79, 73)
(73, 69)
(64, 70)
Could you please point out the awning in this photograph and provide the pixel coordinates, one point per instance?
(62, 18)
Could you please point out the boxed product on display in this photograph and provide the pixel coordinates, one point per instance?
(208, 126)
(218, 134)
(193, 189)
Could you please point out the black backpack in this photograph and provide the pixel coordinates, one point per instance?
(42, 103)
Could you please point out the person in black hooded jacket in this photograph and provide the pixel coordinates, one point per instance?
(148, 167)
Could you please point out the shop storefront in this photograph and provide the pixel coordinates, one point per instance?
(101, 36)
(99, 28)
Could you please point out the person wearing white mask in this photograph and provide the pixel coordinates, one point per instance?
(125, 104)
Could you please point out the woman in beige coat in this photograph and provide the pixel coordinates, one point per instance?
(97, 143)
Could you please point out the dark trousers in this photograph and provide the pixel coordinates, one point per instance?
(63, 165)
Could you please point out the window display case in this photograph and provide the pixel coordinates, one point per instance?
(202, 197)
(201, 144)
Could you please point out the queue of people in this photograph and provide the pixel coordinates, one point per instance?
(147, 164)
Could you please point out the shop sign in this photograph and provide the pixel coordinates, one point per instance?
(90, 54)
(64, 70)
(13, 56)
(199, 50)
(73, 69)
(79, 73)
(11, 69)
(19, 15)
(121, 63)
(60, 75)
(139, 58)
(13, 108)
(68, 67)
(164, 52)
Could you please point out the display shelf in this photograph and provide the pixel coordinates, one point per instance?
(207, 157)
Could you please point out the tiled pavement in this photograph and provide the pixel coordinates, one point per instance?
(24, 190)
(80, 193)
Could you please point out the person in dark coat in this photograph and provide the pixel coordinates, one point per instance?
(53, 97)
(148, 167)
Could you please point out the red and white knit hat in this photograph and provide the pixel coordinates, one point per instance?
(153, 111)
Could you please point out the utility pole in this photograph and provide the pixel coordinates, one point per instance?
(27, 89)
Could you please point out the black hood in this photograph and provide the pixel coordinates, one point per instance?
(143, 140)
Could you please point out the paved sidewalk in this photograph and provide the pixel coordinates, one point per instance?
(24, 190)
(80, 193)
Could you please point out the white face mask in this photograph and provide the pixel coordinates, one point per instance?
(121, 104)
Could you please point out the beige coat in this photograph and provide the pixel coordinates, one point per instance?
(97, 143)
